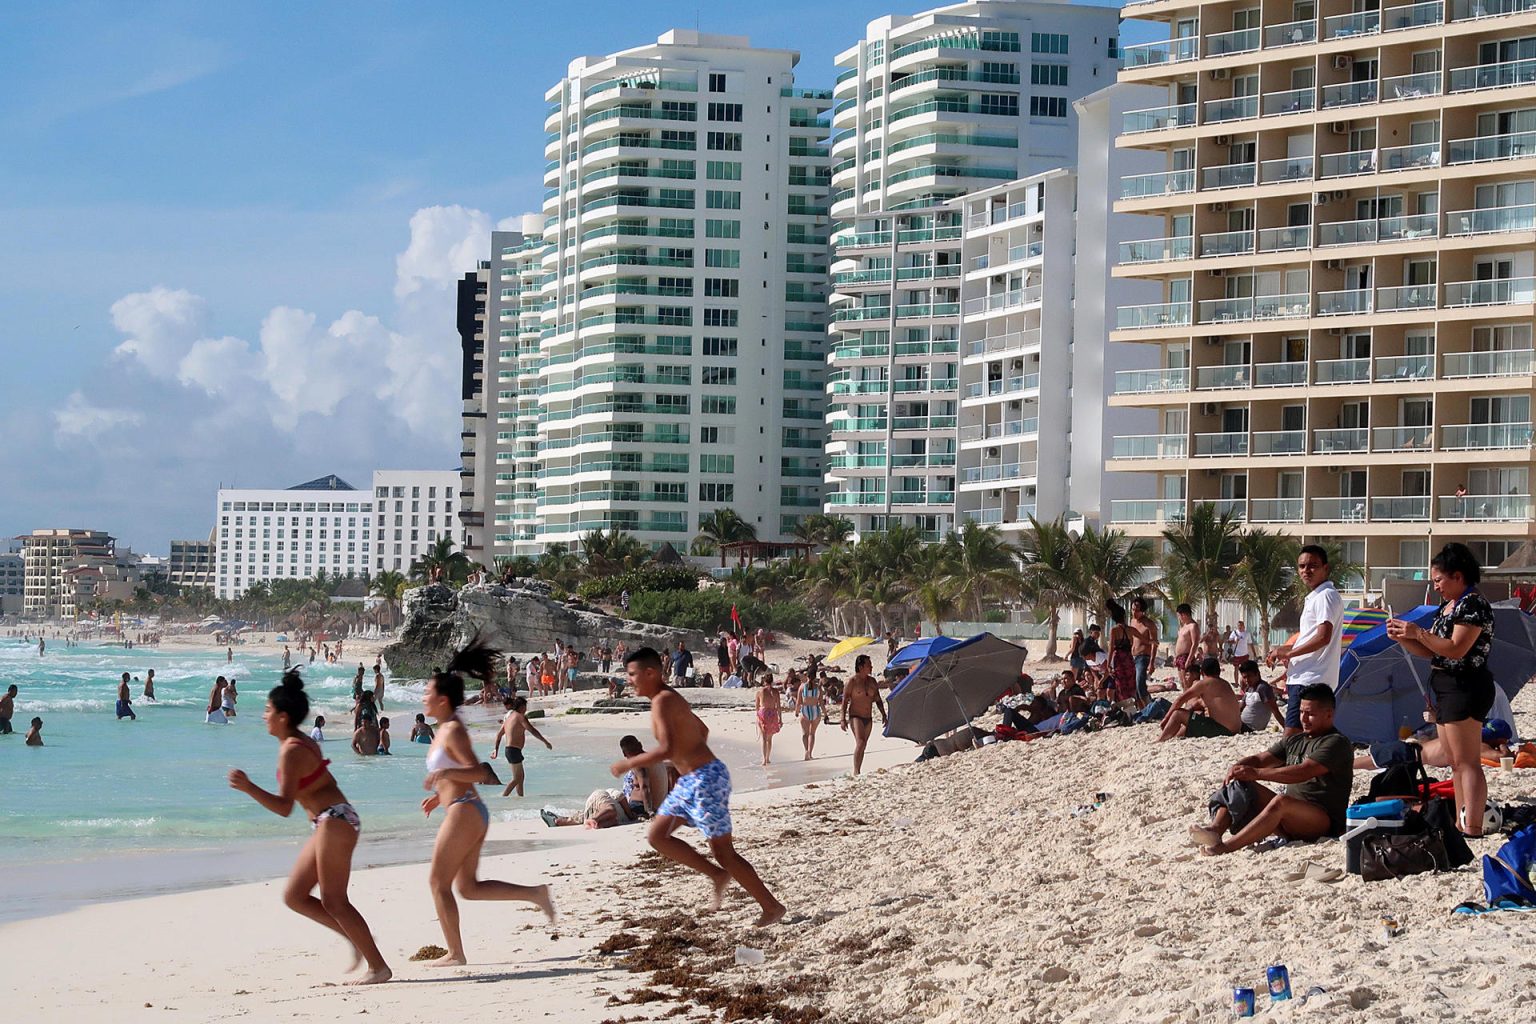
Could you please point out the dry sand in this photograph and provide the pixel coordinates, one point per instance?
(963, 889)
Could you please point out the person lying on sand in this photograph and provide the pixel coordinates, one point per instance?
(1316, 767)
(702, 798)
(1433, 750)
(1208, 708)
(641, 794)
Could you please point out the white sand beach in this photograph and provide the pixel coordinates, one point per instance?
(964, 889)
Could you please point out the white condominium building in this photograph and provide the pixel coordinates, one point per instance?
(930, 108)
(51, 561)
(680, 360)
(328, 525)
(1344, 335)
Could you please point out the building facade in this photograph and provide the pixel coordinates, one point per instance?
(191, 563)
(475, 447)
(13, 584)
(50, 560)
(1344, 335)
(413, 508)
(682, 343)
(931, 108)
(516, 306)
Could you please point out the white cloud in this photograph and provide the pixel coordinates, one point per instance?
(446, 241)
(161, 325)
(80, 419)
(219, 366)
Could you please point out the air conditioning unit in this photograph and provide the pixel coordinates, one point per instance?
(1222, 140)
(1333, 264)
(1016, 404)
(1342, 61)
(1338, 194)
(993, 453)
(997, 494)
(1213, 472)
(1339, 127)
(1320, 199)
(1335, 470)
(1209, 408)
(1220, 74)
(1216, 272)
(1217, 207)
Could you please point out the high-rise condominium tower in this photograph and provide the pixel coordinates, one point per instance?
(684, 284)
(1344, 337)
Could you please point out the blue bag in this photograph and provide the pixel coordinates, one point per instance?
(1508, 872)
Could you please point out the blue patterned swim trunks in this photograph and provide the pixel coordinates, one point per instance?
(702, 799)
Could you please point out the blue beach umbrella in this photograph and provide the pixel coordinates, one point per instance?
(952, 685)
(917, 650)
(1383, 688)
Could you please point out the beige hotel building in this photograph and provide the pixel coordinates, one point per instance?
(1345, 235)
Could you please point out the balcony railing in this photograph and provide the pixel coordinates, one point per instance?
(1155, 118)
(1346, 25)
(1262, 307)
(1491, 220)
(1344, 303)
(1411, 87)
(1226, 243)
(1407, 508)
(1499, 292)
(1002, 386)
(1006, 471)
(1343, 371)
(1221, 44)
(1339, 165)
(1481, 436)
(1284, 239)
(1003, 342)
(1280, 442)
(1504, 363)
(1289, 101)
(1163, 51)
(1387, 229)
(1276, 510)
(1209, 378)
(1296, 168)
(1408, 158)
(1151, 446)
(1143, 382)
(1493, 76)
(1349, 94)
(1157, 250)
(1406, 16)
(1169, 510)
(1224, 443)
(1339, 441)
(1291, 34)
(1395, 368)
(1503, 508)
(1491, 147)
(1228, 175)
(1339, 510)
(1279, 375)
(1379, 574)
(1163, 183)
(1402, 439)
(1405, 297)
(1234, 108)
(1159, 314)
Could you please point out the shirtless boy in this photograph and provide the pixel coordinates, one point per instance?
(702, 797)
(125, 700)
(7, 709)
(1220, 714)
(1184, 646)
(513, 729)
(35, 734)
(860, 698)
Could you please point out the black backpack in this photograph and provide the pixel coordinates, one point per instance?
(1402, 781)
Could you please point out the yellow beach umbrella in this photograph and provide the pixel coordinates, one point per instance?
(852, 643)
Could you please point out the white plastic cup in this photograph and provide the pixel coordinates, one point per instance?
(748, 957)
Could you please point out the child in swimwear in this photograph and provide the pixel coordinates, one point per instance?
(318, 732)
(35, 734)
(770, 714)
(383, 735)
(513, 728)
(421, 732)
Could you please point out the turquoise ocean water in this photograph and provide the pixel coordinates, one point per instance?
(105, 793)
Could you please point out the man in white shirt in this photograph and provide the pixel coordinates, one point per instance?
(1314, 657)
(1241, 649)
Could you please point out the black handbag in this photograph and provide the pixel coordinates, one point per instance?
(1397, 856)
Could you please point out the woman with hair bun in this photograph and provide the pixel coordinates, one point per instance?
(303, 778)
(452, 771)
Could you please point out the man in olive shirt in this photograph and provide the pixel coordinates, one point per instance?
(1317, 768)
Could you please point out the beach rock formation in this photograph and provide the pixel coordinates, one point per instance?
(519, 619)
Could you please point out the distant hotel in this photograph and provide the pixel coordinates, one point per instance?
(328, 525)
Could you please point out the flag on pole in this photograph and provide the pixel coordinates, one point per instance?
(736, 618)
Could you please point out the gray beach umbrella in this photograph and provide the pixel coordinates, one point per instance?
(949, 688)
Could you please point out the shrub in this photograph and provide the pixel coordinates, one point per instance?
(709, 611)
(646, 579)
(995, 615)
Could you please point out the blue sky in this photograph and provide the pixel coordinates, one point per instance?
(189, 192)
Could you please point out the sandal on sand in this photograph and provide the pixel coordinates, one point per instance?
(1516, 903)
(1317, 873)
(1471, 909)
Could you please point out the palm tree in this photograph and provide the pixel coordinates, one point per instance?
(1049, 576)
(560, 566)
(1202, 555)
(824, 530)
(1266, 574)
(724, 526)
(981, 565)
(455, 564)
(1340, 569)
(613, 551)
(390, 586)
(1109, 566)
(932, 589)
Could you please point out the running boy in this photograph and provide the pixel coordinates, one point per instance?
(513, 729)
(702, 797)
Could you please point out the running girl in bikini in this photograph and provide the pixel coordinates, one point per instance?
(303, 778)
(452, 771)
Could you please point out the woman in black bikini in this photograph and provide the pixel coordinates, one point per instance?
(303, 778)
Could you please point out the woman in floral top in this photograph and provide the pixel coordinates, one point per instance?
(1457, 645)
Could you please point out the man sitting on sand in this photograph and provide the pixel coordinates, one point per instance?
(1317, 768)
(702, 797)
(642, 793)
(1208, 708)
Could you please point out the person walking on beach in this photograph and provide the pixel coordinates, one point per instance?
(149, 686)
(304, 778)
(1457, 644)
(514, 728)
(810, 706)
(1122, 665)
(682, 661)
(702, 797)
(860, 697)
(125, 701)
(1314, 657)
(452, 771)
(1185, 643)
(770, 715)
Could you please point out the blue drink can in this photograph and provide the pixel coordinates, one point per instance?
(1242, 1002)
(1279, 983)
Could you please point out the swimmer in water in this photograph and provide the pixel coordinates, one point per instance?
(304, 778)
(35, 734)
